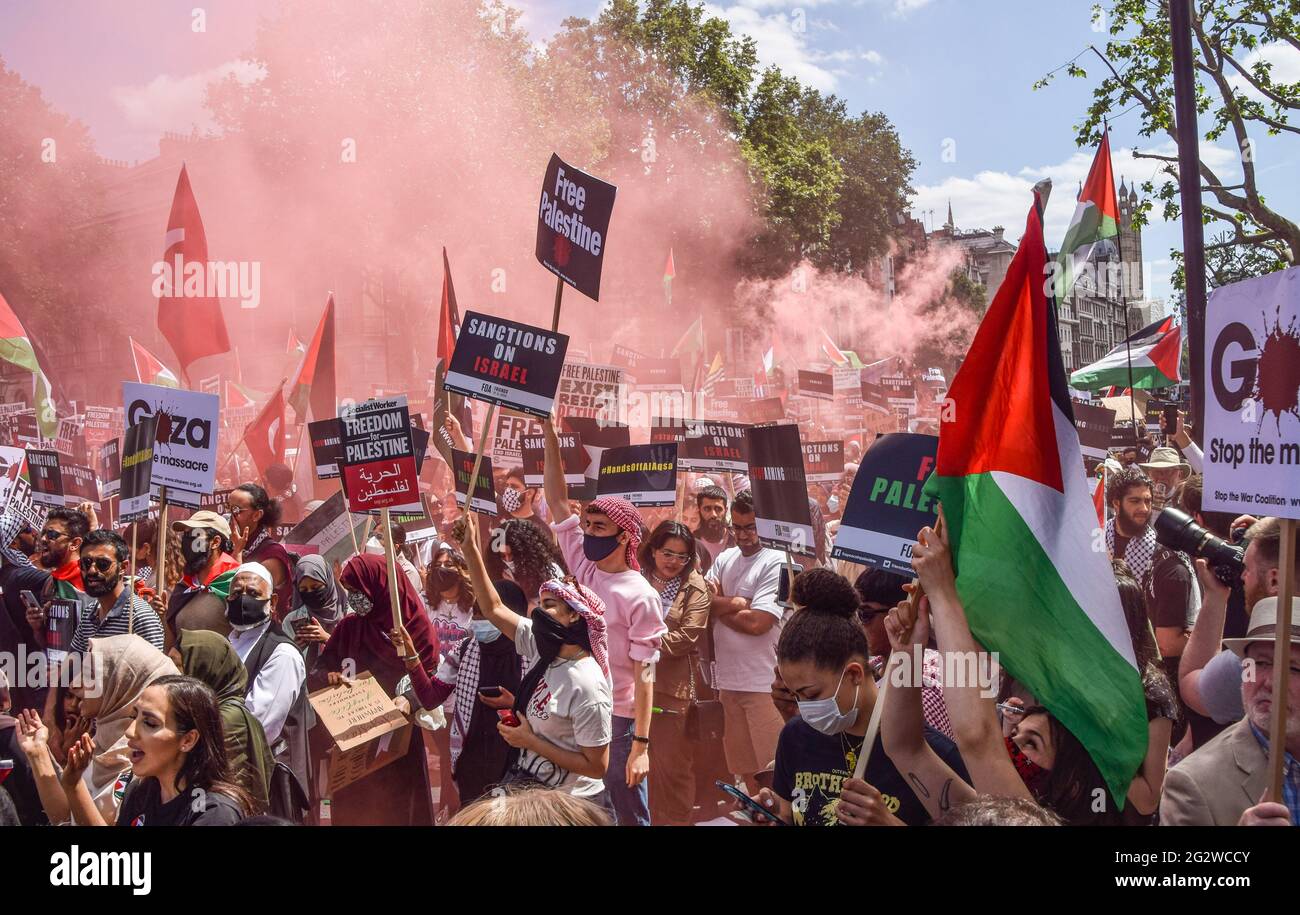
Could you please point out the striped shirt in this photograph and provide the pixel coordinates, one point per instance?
(147, 624)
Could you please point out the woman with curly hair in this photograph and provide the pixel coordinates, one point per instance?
(520, 552)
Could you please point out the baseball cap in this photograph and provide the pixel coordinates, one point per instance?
(203, 518)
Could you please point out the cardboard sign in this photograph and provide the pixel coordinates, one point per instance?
(326, 531)
(780, 490)
(823, 462)
(485, 493)
(379, 467)
(817, 385)
(137, 469)
(26, 429)
(1252, 402)
(900, 392)
(326, 447)
(886, 506)
(367, 730)
(767, 410)
(592, 391)
(713, 447)
(645, 475)
(572, 455)
(79, 484)
(510, 364)
(46, 478)
(507, 439)
(110, 468)
(625, 357)
(572, 224)
(188, 424)
(846, 377)
(1094, 425)
(61, 618)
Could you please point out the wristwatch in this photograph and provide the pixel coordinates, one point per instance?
(644, 740)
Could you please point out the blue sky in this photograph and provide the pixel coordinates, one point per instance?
(950, 74)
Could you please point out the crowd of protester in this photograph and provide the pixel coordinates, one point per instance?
(589, 663)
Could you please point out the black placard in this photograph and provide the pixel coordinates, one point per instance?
(823, 462)
(485, 493)
(79, 484)
(1094, 425)
(780, 490)
(818, 385)
(46, 478)
(573, 224)
(137, 468)
(507, 363)
(645, 475)
(110, 467)
(713, 447)
(886, 505)
(326, 447)
(572, 455)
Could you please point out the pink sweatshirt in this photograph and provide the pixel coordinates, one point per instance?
(633, 614)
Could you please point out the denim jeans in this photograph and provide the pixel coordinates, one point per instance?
(631, 805)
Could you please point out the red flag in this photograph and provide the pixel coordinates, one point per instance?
(264, 436)
(193, 325)
(448, 317)
(314, 384)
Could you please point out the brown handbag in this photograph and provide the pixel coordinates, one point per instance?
(705, 719)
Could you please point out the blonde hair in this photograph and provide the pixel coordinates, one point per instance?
(531, 807)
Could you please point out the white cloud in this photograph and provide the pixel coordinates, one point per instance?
(780, 44)
(903, 7)
(1285, 61)
(176, 103)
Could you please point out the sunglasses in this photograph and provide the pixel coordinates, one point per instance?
(745, 528)
(53, 534)
(101, 563)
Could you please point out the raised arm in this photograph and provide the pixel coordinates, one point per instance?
(974, 717)
(1206, 638)
(485, 595)
(553, 485)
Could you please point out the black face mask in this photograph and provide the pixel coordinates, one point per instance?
(246, 610)
(446, 579)
(314, 599)
(195, 559)
(551, 635)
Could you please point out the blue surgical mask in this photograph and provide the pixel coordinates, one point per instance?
(825, 716)
(833, 504)
(484, 631)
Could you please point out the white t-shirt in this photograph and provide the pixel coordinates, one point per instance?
(745, 662)
(452, 625)
(571, 708)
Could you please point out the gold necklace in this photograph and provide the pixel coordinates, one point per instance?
(850, 752)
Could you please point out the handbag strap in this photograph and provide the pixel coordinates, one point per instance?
(690, 673)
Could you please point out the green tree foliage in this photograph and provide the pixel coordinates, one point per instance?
(1235, 88)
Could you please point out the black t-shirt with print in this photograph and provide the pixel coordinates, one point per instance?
(143, 806)
(811, 767)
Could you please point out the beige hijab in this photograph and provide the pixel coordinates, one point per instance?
(126, 665)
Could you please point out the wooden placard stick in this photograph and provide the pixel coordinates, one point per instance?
(478, 458)
(559, 294)
(160, 555)
(130, 587)
(1281, 660)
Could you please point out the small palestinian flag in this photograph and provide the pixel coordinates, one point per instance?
(1155, 351)
(1096, 216)
(149, 368)
(16, 347)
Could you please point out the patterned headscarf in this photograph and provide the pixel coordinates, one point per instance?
(624, 514)
(583, 601)
(10, 527)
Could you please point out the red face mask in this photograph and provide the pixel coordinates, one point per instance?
(1031, 773)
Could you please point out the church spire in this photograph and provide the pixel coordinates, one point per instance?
(949, 224)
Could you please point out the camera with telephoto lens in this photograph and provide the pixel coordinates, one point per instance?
(1176, 530)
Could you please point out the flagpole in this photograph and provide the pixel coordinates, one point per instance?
(1123, 298)
(160, 578)
(559, 293)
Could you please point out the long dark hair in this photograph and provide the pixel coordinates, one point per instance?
(432, 594)
(532, 552)
(663, 532)
(270, 508)
(194, 706)
(1070, 787)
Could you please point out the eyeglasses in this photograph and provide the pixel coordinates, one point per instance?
(101, 563)
(237, 511)
(670, 554)
(745, 528)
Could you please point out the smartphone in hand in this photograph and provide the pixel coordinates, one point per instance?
(508, 717)
(491, 692)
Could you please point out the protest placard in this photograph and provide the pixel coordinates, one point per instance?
(79, 484)
(886, 505)
(331, 531)
(137, 469)
(817, 385)
(780, 490)
(485, 493)
(507, 363)
(625, 357)
(713, 446)
(1252, 420)
(61, 618)
(645, 475)
(767, 410)
(110, 467)
(572, 225)
(823, 462)
(900, 392)
(596, 436)
(26, 430)
(590, 391)
(101, 425)
(1094, 424)
(46, 478)
(185, 456)
(507, 438)
(572, 455)
(379, 466)
(366, 730)
(326, 447)
(659, 374)
(11, 465)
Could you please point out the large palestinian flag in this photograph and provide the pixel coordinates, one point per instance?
(16, 347)
(1155, 351)
(1096, 216)
(1010, 476)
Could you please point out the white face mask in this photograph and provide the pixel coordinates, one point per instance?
(833, 504)
(824, 714)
